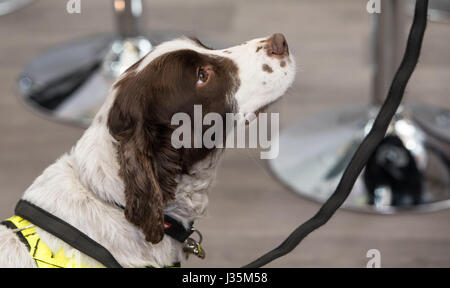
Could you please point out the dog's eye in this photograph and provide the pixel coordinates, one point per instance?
(203, 76)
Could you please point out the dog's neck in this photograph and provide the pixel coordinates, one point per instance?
(83, 186)
(96, 163)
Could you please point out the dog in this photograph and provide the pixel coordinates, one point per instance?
(125, 158)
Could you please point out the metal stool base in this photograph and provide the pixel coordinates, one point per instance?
(314, 154)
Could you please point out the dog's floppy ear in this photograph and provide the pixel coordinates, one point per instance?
(148, 162)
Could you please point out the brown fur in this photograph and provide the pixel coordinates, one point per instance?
(267, 68)
(140, 121)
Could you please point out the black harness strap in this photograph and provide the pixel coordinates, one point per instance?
(367, 147)
(66, 233)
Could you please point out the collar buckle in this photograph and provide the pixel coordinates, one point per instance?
(192, 246)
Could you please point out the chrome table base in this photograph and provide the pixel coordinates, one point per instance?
(69, 83)
(9, 6)
(409, 171)
(314, 154)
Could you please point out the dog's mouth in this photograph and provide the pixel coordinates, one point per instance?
(262, 109)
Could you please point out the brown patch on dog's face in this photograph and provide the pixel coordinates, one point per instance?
(283, 63)
(267, 68)
(140, 120)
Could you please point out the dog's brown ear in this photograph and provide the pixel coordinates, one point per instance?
(148, 162)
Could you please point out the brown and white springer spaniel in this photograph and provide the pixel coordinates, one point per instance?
(126, 158)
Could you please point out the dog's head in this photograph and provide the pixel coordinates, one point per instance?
(173, 78)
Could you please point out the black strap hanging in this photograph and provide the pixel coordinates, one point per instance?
(368, 145)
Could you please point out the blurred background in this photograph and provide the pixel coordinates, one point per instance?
(250, 212)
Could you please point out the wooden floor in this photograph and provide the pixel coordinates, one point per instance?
(249, 211)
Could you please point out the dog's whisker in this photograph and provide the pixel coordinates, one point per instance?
(255, 160)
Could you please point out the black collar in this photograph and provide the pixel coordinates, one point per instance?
(172, 227)
(176, 230)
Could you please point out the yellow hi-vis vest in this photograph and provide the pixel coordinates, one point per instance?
(41, 253)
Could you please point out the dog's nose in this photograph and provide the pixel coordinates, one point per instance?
(278, 45)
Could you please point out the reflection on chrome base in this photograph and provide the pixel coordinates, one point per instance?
(409, 171)
(9, 6)
(70, 82)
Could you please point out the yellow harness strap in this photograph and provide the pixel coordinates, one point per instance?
(41, 253)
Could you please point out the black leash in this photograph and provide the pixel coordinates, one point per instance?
(368, 145)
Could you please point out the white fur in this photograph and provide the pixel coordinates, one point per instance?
(81, 186)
